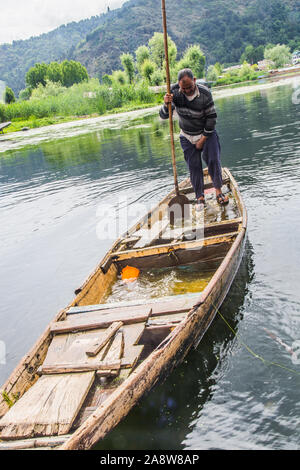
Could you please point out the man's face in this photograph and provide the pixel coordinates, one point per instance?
(187, 85)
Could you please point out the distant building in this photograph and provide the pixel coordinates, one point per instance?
(296, 57)
(89, 94)
(265, 64)
(234, 67)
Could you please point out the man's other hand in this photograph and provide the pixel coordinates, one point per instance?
(199, 144)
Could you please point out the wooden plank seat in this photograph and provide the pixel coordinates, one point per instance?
(199, 230)
(68, 352)
(105, 350)
(159, 306)
(102, 319)
(159, 250)
(174, 254)
(108, 359)
(163, 232)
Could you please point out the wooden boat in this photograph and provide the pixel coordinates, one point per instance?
(97, 357)
(3, 125)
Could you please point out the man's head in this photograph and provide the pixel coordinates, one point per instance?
(187, 82)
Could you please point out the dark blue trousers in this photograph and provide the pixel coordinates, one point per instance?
(211, 155)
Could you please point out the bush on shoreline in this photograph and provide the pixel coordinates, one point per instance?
(80, 99)
(245, 73)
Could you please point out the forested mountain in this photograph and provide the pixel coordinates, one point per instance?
(221, 27)
(57, 45)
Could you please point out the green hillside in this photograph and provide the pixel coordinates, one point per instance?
(221, 27)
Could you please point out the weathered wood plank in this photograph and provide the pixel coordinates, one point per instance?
(48, 408)
(132, 334)
(107, 373)
(167, 319)
(101, 320)
(207, 230)
(78, 368)
(34, 443)
(162, 249)
(175, 305)
(132, 355)
(174, 257)
(115, 351)
(161, 305)
(94, 349)
(72, 347)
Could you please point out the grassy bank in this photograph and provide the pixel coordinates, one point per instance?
(54, 104)
(33, 122)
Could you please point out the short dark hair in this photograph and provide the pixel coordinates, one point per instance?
(185, 73)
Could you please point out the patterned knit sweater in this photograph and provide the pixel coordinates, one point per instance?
(195, 117)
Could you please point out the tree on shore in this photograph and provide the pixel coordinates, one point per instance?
(252, 54)
(67, 73)
(128, 64)
(212, 74)
(36, 75)
(148, 68)
(106, 79)
(142, 53)
(119, 77)
(9, 96)
(157, 50)
(54, 72)
(193, 59)
(73, 72)
(279, 54)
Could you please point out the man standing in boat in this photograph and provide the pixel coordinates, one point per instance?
(197, 120)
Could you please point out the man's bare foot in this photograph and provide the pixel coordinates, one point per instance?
(221, 198)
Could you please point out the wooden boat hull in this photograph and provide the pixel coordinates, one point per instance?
(162, 361)
(159, 363)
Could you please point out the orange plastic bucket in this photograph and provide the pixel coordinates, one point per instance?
(130, 274)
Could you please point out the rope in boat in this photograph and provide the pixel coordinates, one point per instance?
(254, 354)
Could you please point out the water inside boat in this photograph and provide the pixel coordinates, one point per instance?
(161, 282)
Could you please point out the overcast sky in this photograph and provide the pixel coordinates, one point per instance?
(20, 19)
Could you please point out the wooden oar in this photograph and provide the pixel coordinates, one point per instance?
(179, 204)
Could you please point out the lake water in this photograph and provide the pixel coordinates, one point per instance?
(61, 187)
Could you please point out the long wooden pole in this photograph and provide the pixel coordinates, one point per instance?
(164, 16)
